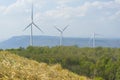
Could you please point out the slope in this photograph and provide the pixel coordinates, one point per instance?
(13, 67)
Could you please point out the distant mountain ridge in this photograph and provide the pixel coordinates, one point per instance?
(23, 41)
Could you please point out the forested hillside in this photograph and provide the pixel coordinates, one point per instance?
(99, 63)
(13, 67)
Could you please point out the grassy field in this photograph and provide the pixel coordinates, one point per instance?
(13, 67)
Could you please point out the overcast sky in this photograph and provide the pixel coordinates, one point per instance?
(83, 16)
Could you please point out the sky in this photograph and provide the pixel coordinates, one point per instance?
(84, 17)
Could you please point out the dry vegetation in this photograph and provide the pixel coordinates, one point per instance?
(13, 67)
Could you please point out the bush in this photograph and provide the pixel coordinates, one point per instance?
(98, 78)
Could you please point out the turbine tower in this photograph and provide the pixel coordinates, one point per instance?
(94, 39)
(31, 26)
(61, 33)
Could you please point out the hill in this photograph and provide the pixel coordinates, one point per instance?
(23, 41)
(13, 67)
(103, 63)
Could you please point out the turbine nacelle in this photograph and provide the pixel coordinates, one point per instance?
(34, 25)
(62, 30)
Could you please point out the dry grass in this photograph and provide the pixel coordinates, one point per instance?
(13, 67)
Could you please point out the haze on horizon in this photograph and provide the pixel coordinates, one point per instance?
(83, 16)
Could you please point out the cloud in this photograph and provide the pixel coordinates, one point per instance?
(63, 11)
(115, 16)
(21, 5)
(117, 1)
(66, 12)
(48, 12)
(14, 7)
(59, 11)
(2, 8)
(62, 2)
(79, 11)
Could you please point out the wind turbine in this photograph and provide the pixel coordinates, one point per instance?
(94, 39)
(31, 26)
(61, 33)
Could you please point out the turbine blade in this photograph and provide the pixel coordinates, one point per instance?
(37, 27)
(32, 12)
(27, 26)
(65, 28)
(58, 29)
(98, 34)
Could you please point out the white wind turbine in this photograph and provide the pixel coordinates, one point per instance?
(94, 39)
(31, 26)
(61, 33)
